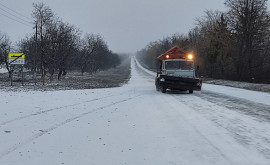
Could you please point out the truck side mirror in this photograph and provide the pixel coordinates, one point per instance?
(158, 73)
(198, 67)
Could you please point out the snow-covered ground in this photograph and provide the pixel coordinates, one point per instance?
(243, 85)
(135, 124)
(3, 70)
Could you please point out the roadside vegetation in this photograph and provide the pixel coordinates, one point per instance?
(113, 77)
(56, 49)
(231, 45)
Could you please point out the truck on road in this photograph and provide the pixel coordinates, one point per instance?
(177, 72)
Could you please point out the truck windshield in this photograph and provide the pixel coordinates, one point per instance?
(183, 65)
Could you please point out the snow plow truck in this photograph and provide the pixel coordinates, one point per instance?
(176, 72)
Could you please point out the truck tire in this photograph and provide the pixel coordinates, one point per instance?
(157, 84)
(157, 87)
(190, 91)
(163, 89)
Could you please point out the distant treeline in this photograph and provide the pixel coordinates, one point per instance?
(55, 47)
(232, 45)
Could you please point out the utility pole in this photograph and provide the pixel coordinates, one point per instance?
(35, 66)
(42, 56)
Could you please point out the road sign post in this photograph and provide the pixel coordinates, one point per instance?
(16, 59)
(22, 76)
(11, 74)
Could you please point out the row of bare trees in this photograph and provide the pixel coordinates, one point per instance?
(4, 49)
(231, 45)
(56, 46)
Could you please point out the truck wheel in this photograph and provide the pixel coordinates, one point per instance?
(163, 89)
(190, 91)
(157, 87)
(157, 84)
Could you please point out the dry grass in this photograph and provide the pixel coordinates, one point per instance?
(114, 77)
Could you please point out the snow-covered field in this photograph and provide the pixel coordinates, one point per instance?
(135, 125)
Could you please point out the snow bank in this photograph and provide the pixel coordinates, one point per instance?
(260, 97)
(144, 69)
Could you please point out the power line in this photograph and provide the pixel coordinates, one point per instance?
(15, 11)
(13, 15)
(10, 15)
(16, 20)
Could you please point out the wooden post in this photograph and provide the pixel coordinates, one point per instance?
(11, 76)
(22, 76)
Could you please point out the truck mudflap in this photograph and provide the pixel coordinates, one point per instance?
(179, 83)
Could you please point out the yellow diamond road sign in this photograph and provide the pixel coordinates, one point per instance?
(16, 58)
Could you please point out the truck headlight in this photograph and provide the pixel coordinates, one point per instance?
(190, 56)
(162, 79)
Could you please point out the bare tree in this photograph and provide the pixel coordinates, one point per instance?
(249, 22)
(43, 16)
(4, 50)
(57, 46)
(90, 45)
(63, 41)
(212, 42)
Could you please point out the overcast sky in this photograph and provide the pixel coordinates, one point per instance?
(126, 25)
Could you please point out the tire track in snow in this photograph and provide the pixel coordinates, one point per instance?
(189, 101)
(198, 131)
(54, 109)
(55, 126)
(254, 109)
(246, 121)
(253, 132)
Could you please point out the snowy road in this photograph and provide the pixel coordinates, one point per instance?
(134, 124)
